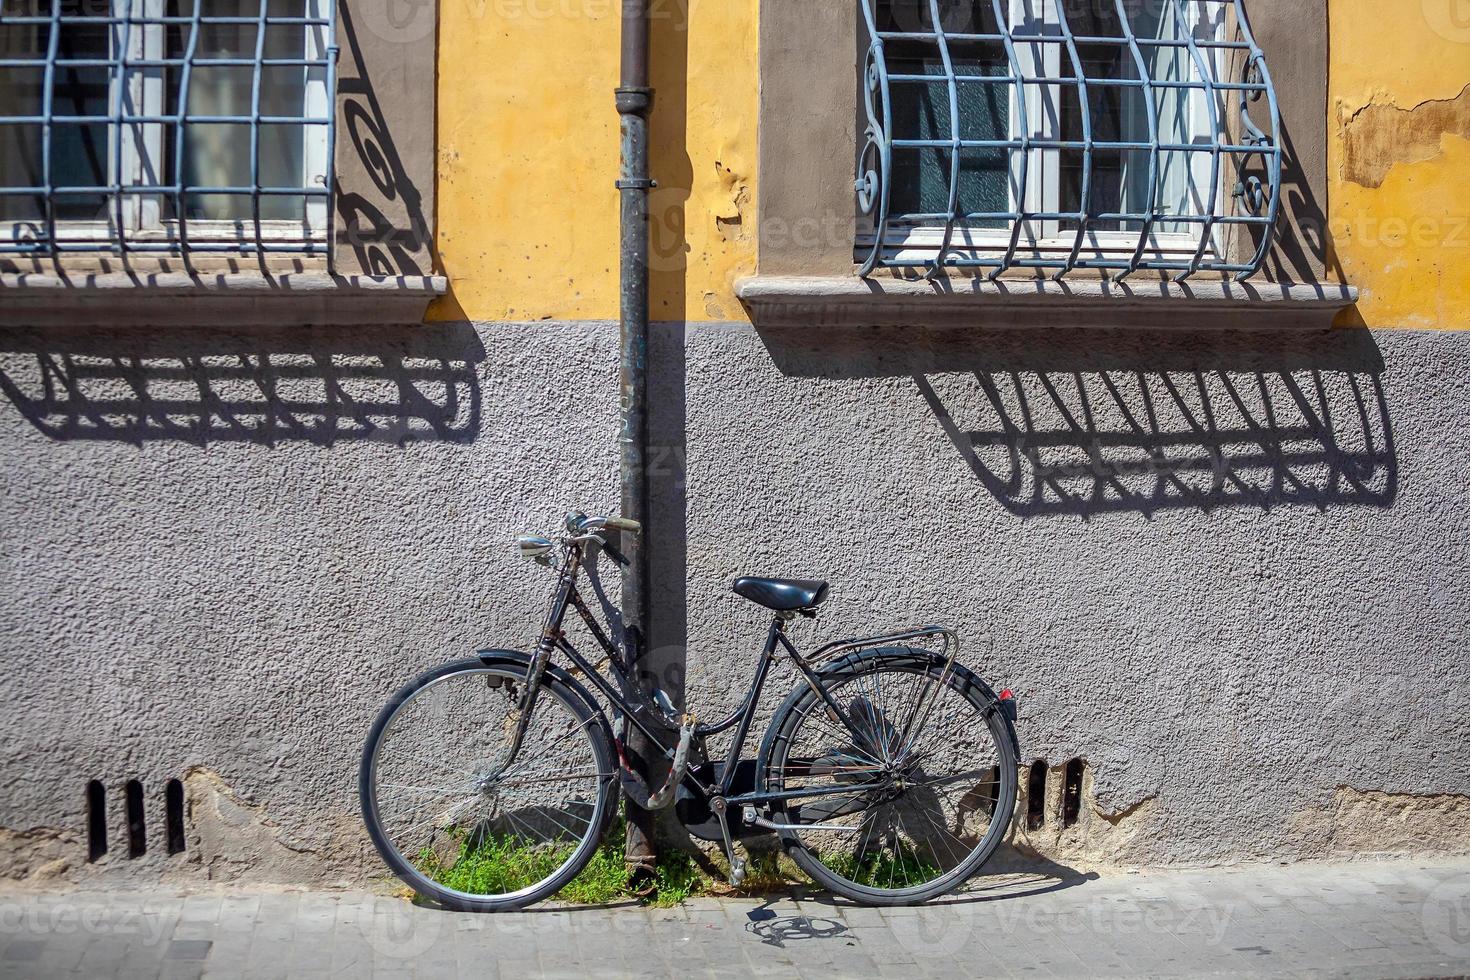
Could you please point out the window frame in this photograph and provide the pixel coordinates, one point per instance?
(1041, 242)
(136, 142)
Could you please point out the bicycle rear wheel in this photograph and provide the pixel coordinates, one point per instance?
(909, 804)
(456, 823)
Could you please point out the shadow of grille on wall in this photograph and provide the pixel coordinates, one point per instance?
(1080, 422)
(320, 386)
(1084, 442)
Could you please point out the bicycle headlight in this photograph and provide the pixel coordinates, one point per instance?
(535, 547)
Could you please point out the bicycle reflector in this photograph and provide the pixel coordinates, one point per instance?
(1008, 704)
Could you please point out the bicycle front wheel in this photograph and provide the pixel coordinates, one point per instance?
(907, 802)
(458, 819)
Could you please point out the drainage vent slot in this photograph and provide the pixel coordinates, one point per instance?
(173, 816)
(1072, 792)
(96, 821)
(1036, 796)
(137, 833)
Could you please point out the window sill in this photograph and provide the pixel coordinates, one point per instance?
(1201, 304)
(234, 299)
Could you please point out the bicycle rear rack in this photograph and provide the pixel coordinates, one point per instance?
(839, 648)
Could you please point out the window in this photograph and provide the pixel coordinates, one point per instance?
(166, 125)
(1064, 134)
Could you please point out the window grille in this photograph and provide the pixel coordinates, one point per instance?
(166, 126)
(1116, 135)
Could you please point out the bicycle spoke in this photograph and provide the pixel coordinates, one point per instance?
(914, 820)
(543, 812)
(516, 822)
(565, 735)
(429, 790)
(447, 817)
(826, 727)
(957, 777)
(501, 784)
(432, 762)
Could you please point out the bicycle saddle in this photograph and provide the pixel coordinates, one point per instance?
(781, 594)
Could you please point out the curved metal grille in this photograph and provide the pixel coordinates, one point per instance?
(170, 126)
(1063, 134)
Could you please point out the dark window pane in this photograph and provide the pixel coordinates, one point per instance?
(921, 111)
(79, 150)
(1099, 18)
(955, 16)
(1117, 114)
(20, 143)
(1120, 114)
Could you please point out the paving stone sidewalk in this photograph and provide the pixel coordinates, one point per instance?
(1370, 919)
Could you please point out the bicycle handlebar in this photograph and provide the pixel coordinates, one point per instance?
(581, 524)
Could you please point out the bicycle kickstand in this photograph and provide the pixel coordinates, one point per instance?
(737, 863)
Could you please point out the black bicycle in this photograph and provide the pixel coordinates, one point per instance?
(889, 773)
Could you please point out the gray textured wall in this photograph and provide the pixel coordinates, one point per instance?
(1228, 571)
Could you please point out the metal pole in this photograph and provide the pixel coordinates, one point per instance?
(634, 100)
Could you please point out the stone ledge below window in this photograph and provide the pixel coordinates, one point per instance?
(840, 301)
(206, 299)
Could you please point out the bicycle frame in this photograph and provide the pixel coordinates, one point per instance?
(628, 699)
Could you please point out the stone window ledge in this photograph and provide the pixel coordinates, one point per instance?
(1200, 304)
(207, 299)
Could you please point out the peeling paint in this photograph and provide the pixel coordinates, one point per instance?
(1398, 150)
(1374, 821)
(1379, 137)
(37, 853)
(234, 839)
(1101, 837)
(730, 222)
(1116, 817)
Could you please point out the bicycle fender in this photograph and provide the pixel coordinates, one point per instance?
(853, 659)
(1005, 705)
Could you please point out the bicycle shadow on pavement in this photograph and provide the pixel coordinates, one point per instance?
(774, 929)
(1019, 876)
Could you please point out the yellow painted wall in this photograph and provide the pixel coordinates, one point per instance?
(528, 152)
(1399, 156)
(528, 146)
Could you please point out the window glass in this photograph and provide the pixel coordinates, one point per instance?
(217, 154)
(1126, 176)
(1120, 114)
(921, 111)
(137, 71)
(79, 150)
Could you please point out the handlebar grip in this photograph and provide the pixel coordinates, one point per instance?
(622, 524)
